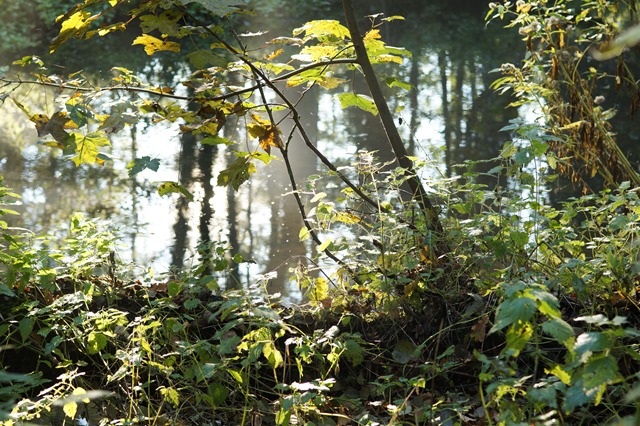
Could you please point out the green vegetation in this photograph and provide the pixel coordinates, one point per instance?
(430, 301)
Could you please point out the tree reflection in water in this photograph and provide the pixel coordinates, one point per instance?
(450, 116)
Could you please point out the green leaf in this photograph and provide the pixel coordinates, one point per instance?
(220, 7)
(559, 330)
(96, 342)
(173, 288)
(237, 173)
(588, 343)
(518, 336)
(363, 102)
(512, 311)
(201, 59)
(215, 140)
(273, 355)
(171, 187)
(394, 82)
(217, 393)
(26, 327)
(166, 22)
(79, 114)
(139, 164)
(404, 351)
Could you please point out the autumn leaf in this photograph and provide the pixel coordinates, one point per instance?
(86, 147)
(152, 44)
(75, 25)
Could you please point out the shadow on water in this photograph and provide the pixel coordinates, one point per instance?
(451, 116)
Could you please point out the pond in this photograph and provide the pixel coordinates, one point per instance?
(450, 116)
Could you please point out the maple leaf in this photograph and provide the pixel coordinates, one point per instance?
(152, 44)
(237, 173)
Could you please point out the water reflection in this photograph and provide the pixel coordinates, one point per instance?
(451, 116)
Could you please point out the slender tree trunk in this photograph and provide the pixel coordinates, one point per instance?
(419, 193)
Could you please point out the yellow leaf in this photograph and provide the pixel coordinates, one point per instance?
(152, 44)
(373, 34)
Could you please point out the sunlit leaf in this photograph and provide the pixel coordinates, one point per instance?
(363, 102)
(324, 30)
(75, 25)
(96, 342)
(171, 395)
(512, 311)
(174, 187)
(152, 44)
(237, 173)
(86, 147)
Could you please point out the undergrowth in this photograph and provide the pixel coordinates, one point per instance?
(532, 319)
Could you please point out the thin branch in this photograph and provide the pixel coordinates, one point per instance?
(160, 93)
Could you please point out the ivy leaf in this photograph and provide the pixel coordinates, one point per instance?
(363, 102)
(139, 164)
(171, 187)
(237, 173)
(152, 44)
(219, 7)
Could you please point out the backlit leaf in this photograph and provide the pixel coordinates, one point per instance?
(171, 187)
(74, 26)
(86, 147)
(139, 164)
(237, 173)
(363, 102)
(152, 44)
(201, 59)
(324, 30)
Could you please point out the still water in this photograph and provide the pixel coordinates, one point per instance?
(451, 116)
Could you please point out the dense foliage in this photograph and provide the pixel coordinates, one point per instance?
(430, 301)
